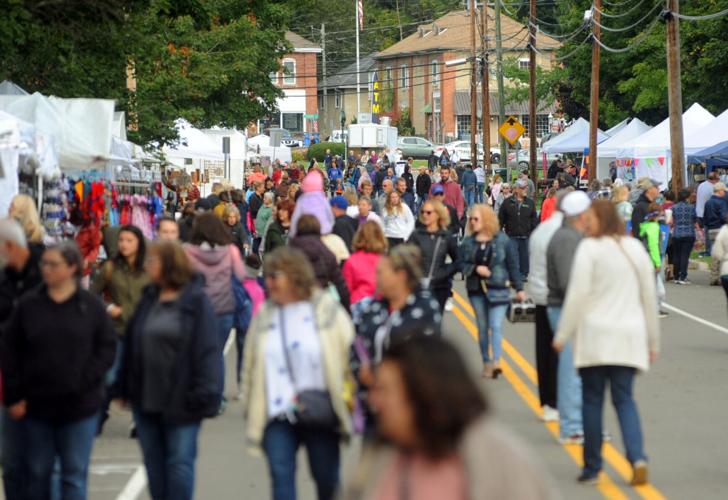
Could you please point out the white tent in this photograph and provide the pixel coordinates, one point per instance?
(711, 134)
(574, 139)
(22, 148)
(194, 145)
(607, 151)
(649, 154)
(9, 88)
(259, 146)
(81, 128)
(617, 128)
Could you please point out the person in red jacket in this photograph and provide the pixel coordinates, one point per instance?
(453, 193)
(548, 207)
(368, 246)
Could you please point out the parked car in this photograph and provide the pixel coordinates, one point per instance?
(463, 149)
(415, 147)
(286, 138)
(524, 158)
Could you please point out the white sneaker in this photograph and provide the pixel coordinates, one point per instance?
(549, 414)
(448, 305)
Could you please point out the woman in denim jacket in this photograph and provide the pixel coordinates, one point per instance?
(490, 266)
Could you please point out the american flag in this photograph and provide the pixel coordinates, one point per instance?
(360, 13)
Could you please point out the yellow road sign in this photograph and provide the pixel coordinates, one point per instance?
(511, 130)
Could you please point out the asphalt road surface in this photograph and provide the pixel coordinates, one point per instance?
(683, 402)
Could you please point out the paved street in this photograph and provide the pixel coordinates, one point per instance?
(683, 403)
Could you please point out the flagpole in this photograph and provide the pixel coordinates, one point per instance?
(356, 16)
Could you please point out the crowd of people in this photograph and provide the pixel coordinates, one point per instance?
(332, 284)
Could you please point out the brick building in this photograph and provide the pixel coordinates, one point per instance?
(438, 96)
(298, 109)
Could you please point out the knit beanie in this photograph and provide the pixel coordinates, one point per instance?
(313, 182)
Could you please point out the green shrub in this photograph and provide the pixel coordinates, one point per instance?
(298, 155)
(318, 151)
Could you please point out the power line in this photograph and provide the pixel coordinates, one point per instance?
(623, 14)
(567, 37)
(568, 55)
(627, 28)
(635, 42)
(616, 4)
(705, 17)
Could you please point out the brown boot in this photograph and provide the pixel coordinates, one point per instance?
(488, 369)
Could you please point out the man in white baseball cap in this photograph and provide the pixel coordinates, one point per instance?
(576, 207)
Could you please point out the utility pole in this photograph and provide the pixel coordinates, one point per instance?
(323, 64)
(501, 86)
(358, 98)
(485, 84)
(532, 92)
(594, 101)
(399, 22)
(473, 90)
(674, 92)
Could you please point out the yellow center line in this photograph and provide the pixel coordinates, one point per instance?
(606, 486)
(610, 453)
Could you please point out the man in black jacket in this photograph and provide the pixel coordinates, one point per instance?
(20, 275)
(344, 226)
(650, 191)
(22, 270)
(518, 218)
(423, 183)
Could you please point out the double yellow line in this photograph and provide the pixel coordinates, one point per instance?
(614, 458)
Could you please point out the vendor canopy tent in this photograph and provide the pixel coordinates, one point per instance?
(649, 154)
(709, 135)
(618, 127)
(634, 129)
(193, 144)
(259, 146)
(81, 128)
(9, 88)
(574, 139)
(714, 156)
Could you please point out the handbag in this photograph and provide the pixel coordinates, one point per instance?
(243, 302)
(521, 312)
(312, 407)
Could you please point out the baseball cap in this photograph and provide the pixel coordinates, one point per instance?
(437, 189)
(575, 203)
(339, 202)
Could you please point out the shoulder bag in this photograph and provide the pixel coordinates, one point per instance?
(495, 295)
(312, 407)
(427, 280)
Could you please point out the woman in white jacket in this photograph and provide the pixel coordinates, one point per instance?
(720, 253)
(399, 222)
(610, 313)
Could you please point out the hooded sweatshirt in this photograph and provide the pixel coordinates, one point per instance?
(217, 264)
(313, 201)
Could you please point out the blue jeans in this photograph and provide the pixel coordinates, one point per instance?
(13, 460)
(469, 196)
(491, 316)
(480, 188)
(594, 380)
(568, 385)
(170, 451)
(281, 441)
(522, 248)
(224, 323)
(71, 442)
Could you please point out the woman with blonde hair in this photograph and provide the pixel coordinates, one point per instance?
(297, 357)
(620, 199)
(490, 266)
(436, 243)
(23, 209)
(368, 246)
(398, 220)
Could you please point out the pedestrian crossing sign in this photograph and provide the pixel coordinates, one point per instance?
(511, 130)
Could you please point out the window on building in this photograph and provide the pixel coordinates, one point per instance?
(542, 124)
(337, 99)
(436, 102)
(462, 123)
(293, 122)
(273, 77)
(524, 63)
(435, 72)
(388, 73)
(289, 72)
(404, 76)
